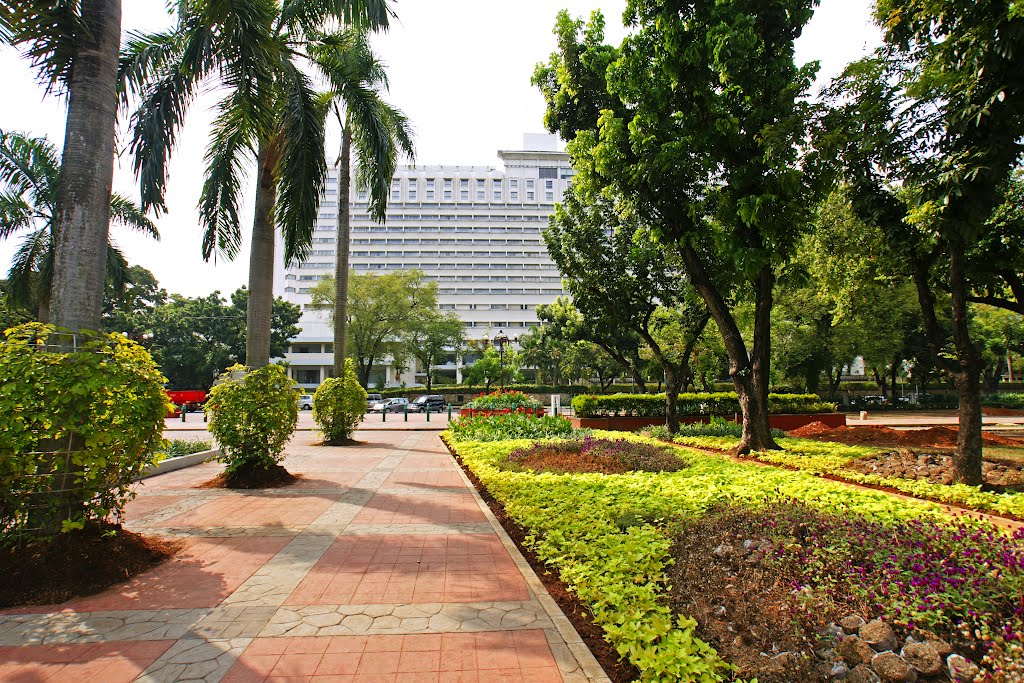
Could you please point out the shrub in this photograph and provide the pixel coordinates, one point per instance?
(78, 427)
(179, 447)
(1003, 400)
(503, 400)
(252, 416)
(339, 405)
(721, 403)
(500, 427)
(715, 427)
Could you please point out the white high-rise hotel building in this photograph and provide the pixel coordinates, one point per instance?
(476, 230)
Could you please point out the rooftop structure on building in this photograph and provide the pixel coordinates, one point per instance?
(475, 230)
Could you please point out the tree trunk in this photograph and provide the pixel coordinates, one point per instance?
(342, 251)
(261, 265)
(749, 377)
(880, 381)
(672, 381)
(894, 370)
(967, 459)
(82, 216)
(429, 382)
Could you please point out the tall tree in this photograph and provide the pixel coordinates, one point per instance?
(928, 131)
(701, 139)
(257, 52)
(616, 273)
(74, 46)
(378, 131)
(29, 188)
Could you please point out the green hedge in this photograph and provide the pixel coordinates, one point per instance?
(470, 391)
(1003, 401)
(723, 403)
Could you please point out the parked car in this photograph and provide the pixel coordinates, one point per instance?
(391, 405)
(436, 403)
(371, 399)
(305, 402)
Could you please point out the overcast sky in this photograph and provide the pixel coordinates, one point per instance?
(460, 69)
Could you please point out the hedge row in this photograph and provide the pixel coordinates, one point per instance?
(469, 390)
(724, 403)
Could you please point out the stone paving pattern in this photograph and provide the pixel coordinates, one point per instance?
(381, 563)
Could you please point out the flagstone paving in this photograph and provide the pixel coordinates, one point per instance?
(380, 563)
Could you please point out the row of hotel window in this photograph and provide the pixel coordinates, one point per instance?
(438, 254)
(448, 190)
(444, 291)
(316, 265)
(451, 278)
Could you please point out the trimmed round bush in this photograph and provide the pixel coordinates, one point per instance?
(78, 427)
(339, 405)
(252, 416)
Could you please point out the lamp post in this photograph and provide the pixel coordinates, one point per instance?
(501, 340)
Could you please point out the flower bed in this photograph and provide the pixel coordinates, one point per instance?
(467, 412)
(600, 532)
(493, 426)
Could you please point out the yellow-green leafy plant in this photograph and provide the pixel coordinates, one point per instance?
(252, 416)
(339, 405)
(76, 427)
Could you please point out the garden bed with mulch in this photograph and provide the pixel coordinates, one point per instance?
(604, 456)
(271, 477)
(937, 468)
(77, 564)
(787, 593)
(933, 437)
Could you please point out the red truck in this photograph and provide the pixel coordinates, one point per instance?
(187, 399)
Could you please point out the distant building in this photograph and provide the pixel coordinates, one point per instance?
(473, 229)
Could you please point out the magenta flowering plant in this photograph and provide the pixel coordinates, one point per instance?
(509, 401)
(963, 579)
(633, 456)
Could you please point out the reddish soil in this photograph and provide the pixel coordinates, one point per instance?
(253, 478)
(554, 461)
(592, 634)
(77, 564)
(933, 437)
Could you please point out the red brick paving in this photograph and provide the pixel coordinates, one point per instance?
(111, 662)
(325, 480)
(201, 575)
(353, 462)
(409, 508)
(253, 510)
(424, 480)
(400, 569)
(416, 462)
(522, 656)
(144, 505)
(182, 479)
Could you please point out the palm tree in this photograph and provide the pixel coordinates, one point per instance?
(30, 176)
(75, 45)
(380, 133)
(254, 50)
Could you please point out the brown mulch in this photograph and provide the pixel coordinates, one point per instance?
(592, 634)
(933, 437)
(77, 564)
(747, 612)
(555, 461)
(272, 477)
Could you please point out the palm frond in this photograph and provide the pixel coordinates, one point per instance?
(118, 271)
(302, 170)
(308, 16)
(379, 134)
(26, 283)
(30, 166)
(234, 140)
(47, 32)
(15, 214)
(123, 211)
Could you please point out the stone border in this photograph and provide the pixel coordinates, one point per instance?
(181, 462)
(577, 649)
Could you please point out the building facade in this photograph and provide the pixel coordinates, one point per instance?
(475, 230)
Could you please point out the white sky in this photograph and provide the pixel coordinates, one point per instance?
(460, 69)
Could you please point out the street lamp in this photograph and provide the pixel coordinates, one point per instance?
(501, 340)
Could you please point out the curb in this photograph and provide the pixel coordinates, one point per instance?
(179, 463)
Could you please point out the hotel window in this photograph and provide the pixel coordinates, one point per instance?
(464, 189)
(497, 190)
(549, 190)
(410, 191)
(513, 189)
(481, 190)
(529, 190)
(430, 189)
(396, 190)
(447, 189)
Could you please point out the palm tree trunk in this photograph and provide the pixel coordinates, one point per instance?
(87, 171)
(261, 266)
(341, 262)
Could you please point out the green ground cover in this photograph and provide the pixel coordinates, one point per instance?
(604, 535)
(827, 458)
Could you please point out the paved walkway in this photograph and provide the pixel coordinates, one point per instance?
(380, 564)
